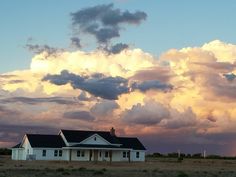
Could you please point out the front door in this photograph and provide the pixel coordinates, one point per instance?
(95, 155)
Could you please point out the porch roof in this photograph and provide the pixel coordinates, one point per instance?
(96, 146)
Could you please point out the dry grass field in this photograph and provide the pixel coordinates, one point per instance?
(153, 167)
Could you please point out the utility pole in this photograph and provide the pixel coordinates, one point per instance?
(179, 153)
(204, 154)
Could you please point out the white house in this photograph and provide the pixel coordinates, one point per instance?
(79, 145)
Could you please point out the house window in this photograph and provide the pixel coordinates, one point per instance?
(27, 151)
(106, 154)
(78, 153)
(95, 138)
(60, 153)
(82, 153)
(124, 154)
(44, 153)
(55, 153)
(137, 154)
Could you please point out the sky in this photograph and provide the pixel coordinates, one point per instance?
(160, 70)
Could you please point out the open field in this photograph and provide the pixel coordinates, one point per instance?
(154, 167)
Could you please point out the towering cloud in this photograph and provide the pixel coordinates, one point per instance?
(184, 93)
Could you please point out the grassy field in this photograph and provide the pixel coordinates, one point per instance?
(153, 167)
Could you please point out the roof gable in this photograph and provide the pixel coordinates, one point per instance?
(95, 139)
(77, 136)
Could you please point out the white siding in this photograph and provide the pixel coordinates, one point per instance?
(95, 139)
(50, 154)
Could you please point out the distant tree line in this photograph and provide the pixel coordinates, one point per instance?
(190, 156)
(5, 151)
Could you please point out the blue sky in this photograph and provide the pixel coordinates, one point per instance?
(170, 24)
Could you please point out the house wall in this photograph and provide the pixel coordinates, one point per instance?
(141, 156)
(50, 154)
(75, 158)
(14, 154)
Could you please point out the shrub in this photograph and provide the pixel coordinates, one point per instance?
(182, 174)
(180, 159)
(82, 169)
(65, 173)
(60, 169)
(98, 172)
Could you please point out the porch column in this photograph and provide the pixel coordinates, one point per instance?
(129, 153)
(70, 154)
(90, 154)
(110, 154)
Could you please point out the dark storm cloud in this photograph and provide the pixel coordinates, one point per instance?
(75, 42)
(117, 48)
(42, 48)
(28, 100)
(14, 133)
(103, 21)
(230, 76)
(188, 141)
(152, 84)
(80, 115)
(98, 85)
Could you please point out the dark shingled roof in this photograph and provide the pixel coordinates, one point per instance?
(132, 143)
(80, 135)
(47, 141)
(16, 146)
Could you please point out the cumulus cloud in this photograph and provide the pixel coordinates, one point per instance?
(99, 85)
(80, 62)
(103, 21)
(150, 113)
(180, 119)
(104, 108)
(79, 115)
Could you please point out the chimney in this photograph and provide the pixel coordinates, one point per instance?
(113, 132)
